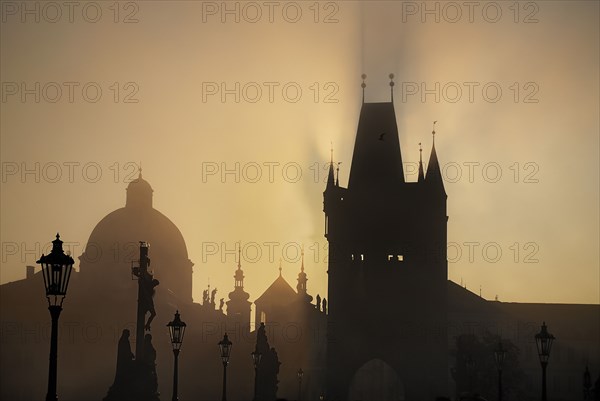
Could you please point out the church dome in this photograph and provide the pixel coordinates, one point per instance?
(114, 244)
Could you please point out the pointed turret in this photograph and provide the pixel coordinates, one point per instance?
(434, 173)
(421, 172)
(330, 175)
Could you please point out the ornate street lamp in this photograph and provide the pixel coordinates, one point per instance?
(56, 270)
(176, 332)
(300, 374)
(544, 340)
(499, 354)
(256, 357)
(225, 348)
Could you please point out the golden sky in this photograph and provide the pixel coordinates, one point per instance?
(514, 88)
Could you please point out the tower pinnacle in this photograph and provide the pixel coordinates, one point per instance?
(330, 175)
(434, 174)
(363, 86)
(421, 172)
(302, 280)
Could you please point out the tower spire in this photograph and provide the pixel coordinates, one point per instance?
(392, 87)
(421, 172)
(330, 175)
(337, 177)
(238, 306)
(434, 173)
(363, 86)
(331, 153)
(239, 273)
(302, 280)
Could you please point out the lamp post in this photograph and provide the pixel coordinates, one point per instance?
(300, 374)
(56, 270)
(176, 332)
(499, 354)
(256, 357)
(225, 348)
(544, 340)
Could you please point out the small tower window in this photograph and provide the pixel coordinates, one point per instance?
(362, 257)
(390, 257)
(400, 258)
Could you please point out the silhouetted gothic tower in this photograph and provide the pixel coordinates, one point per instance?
(387, 270)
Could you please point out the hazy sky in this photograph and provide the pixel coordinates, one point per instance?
(189, 91)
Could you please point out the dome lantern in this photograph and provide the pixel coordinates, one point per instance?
(139, 193)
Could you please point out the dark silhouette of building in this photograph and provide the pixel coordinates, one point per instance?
(387, 269)
(297, 329)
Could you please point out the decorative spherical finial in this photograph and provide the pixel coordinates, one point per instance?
(420, 147)
(364, 76)
(391, 79)
(363, 85)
